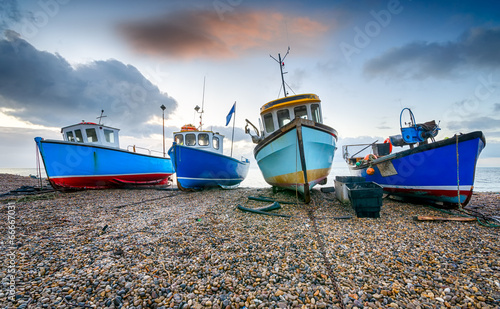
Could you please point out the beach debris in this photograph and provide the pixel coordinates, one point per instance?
(327, 189)
(268, 199)
(29, 190)
(264, 210)
(432, 218)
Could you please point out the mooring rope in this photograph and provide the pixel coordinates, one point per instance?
(458, 174)
(322, 249)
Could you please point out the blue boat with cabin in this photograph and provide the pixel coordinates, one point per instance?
(429, 170)
(89, 157)
(199, 162)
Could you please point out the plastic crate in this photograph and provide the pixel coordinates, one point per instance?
(366, 199)
(340, 186)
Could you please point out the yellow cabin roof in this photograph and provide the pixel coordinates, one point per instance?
(289, 101)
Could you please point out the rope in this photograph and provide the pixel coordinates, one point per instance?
(38, 169)
(322, 249)
(458, 175)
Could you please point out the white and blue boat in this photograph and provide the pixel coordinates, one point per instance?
(89, 157)
(294, 149)
(437, 171)
(199, 162)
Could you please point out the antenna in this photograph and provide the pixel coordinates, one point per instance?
(100, 117)
(197, 108)
(282, 64)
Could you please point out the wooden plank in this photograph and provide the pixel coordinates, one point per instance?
(430, 218)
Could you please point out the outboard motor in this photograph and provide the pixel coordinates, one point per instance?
(414, 133)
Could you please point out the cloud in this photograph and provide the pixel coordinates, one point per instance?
(18, 146)
(483, 123)
(202, 33)
(43, 88)
(475, 48)
(496, 107)
(9, 13)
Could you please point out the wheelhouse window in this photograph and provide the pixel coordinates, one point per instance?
(300, 112)
(269, 123)
(283, 117)
(215, 142)
(109, 135)
(203, 139)
(179, 139)
(69, 136)
(316, 113)
(78, 136)
(190, 139)
(91, 135)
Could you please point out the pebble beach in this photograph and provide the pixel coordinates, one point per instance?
(166, 248)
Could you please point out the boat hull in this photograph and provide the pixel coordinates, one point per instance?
(430, 171)
(298, 156)
(81, 166)
(198, 168)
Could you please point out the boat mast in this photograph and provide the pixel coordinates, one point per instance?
(202, 103)
(282, 64)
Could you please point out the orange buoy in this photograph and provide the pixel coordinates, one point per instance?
(370, 171)
(370, 157)
(388, 141)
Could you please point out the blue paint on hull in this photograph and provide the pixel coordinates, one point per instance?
(197, 168)
(72, 165)
(430, 171)
(281, 156)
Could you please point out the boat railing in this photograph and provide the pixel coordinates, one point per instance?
(356, 152)
(149, 151)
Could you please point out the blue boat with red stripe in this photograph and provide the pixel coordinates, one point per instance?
(89, 157)
(438, 171)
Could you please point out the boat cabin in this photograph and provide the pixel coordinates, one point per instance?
(278, 113)
(206, 140)
(91, 133)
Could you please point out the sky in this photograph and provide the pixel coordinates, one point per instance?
(63, 61)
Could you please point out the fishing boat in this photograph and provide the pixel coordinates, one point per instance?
(438, 171)
(294, 148)
(199, 160)
(89, 157)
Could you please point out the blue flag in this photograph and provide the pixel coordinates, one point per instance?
(231, 112)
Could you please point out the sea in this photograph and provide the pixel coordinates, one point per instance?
(487, 178)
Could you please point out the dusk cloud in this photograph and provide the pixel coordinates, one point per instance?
(476, 48)
(203, 33)
(43, 88)
(483, 123)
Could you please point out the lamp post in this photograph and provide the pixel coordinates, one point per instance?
(163, 116)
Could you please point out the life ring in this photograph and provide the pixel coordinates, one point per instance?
(188, 127)
(388, 141)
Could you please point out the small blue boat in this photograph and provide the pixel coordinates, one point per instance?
(89, 157)
(294, 149)
(199, 161)
(439, 171)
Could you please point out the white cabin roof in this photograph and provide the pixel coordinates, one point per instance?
(205, 140)
(91, 133)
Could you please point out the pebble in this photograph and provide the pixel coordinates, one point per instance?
(196, 250)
